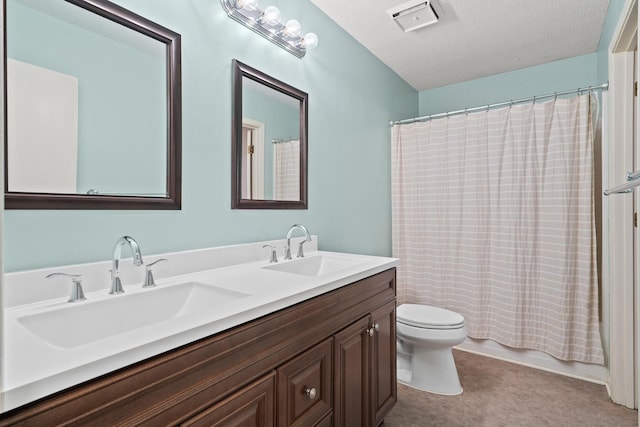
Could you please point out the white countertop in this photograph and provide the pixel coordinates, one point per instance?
(34, 368)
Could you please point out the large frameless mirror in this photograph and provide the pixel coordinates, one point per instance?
(269, 142)
(93, 108)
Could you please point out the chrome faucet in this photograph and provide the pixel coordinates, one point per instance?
(116, 284)
(287, 250)
(77, 294)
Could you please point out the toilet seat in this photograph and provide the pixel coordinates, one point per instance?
(428, 317)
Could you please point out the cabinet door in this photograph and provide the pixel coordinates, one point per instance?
(383, 362)
(325, 422)
(305, 387)
(253, 406)
(351, 359)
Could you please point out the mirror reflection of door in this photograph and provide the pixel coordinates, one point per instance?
(42, 124)
(113, 86)
(279, 115)
(252, 159)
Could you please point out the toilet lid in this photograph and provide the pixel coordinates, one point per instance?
(426, 316)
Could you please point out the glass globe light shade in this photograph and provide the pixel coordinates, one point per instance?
(292, 28)
(310, 41)
(271, 15)
(247, 4)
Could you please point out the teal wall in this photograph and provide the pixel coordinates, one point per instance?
(567, 74)
(352, 97)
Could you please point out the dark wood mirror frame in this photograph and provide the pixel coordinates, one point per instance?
(113, 12)
(240, 70)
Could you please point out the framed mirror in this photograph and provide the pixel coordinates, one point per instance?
(92, 107)
(269, 142)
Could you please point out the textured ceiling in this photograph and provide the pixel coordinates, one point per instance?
(474, 38)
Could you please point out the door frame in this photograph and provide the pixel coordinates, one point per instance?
(2, 129)
(618, 266)
(258, 130)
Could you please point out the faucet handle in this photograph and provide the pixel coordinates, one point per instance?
(300, 250)
(274, 255)
(149, 282)
(116, 283)
(77, 294)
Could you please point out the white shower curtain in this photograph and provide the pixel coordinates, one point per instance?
(493, 217)
(286, 166)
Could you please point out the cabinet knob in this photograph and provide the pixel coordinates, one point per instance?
(372, 330)
(311, 392)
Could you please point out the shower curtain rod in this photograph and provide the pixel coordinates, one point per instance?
(604, 86)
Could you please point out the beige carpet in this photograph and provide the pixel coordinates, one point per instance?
(498, 393)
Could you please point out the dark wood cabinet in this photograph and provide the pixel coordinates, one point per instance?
(325, 422)
(351, 375)
(321, 362)
(250, 407)
(365, 369)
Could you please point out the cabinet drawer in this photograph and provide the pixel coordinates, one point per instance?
(305, 387)
(251, 406)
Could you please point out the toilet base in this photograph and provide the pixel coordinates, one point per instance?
(404, 376)
(433, 371)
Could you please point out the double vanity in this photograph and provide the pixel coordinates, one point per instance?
(225, 337)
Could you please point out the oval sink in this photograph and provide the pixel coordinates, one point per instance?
(73, 325)
(318, 265)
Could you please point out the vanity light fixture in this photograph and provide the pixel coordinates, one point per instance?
(268, 24)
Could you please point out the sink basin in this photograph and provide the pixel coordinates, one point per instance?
(316, 266)
(73, 325)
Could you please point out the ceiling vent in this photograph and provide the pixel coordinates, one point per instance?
(413, 15)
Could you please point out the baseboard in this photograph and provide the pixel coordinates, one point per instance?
(536, 359)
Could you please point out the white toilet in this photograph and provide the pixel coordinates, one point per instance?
(425, 336)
